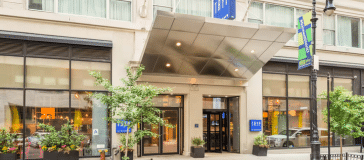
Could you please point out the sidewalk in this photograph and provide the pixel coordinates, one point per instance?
(273, 154)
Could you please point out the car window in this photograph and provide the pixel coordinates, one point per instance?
(306, 132)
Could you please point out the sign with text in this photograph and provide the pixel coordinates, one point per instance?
(122, 127)
(304, 41)
(225, 9)
(255, 125)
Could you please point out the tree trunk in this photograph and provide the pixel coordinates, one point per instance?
(341, 148)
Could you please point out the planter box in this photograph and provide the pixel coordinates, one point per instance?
(130, 155)
(50, 155)
(197, 152)
(258, 151)
(55, 155)
(73, 155)
(8, 156)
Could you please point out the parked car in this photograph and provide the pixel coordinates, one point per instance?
(297, 137)
(35, 138)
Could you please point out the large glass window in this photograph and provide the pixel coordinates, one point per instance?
(298, 86)
(256, 13)
(11, 114)
(47, 73)
(348, 31)
(279, 16)
(11, 71)
(48, 107)
(118, 9)
(346, 83)
(274, 85)
(299, 122)
(87, 114)
(192, 7)
(167, 101)
(163, 5)
(214, 103)
(329, 30)
(234, 124)
(82, 80)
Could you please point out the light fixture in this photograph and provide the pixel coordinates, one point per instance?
(252, 51)
(226, 96)
(77, 96)
(61, 117)
(209, 95)
(329, 8)
(178, 44)
(236, 70)
(168, 65)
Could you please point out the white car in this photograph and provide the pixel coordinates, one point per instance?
(298, 137)
(35, 138)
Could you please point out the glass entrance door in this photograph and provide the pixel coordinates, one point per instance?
(168, 141)
(214, 131)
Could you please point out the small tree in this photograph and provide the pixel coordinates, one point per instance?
(132, 103)
(346, 113)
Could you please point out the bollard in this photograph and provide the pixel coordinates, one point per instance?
(346, 156)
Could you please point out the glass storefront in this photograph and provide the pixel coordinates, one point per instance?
(56, 90)
(286, 104)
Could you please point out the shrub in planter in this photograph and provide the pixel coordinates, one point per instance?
(197, 150)
(8, 145)
(61, 145)
(132, 141)
(261, 146)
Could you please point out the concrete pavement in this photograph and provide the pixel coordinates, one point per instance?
(273, 154)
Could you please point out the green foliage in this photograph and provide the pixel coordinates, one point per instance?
(261, 141)
(8, 142)
(346, 112)
(65, 140)
(197, 142)
(131, 102)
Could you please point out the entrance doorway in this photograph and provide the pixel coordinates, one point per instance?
(168, 140)
(221, 124)
(214, 134)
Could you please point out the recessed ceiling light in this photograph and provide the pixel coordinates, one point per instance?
(168, 65)
(209, 95)
(178, 44)
(226, 96)
(236, 70)
(252, 51)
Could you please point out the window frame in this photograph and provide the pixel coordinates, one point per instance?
(173, 8)
(295, 17)
(107, 10)
(323, 29)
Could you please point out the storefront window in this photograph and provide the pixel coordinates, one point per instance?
(274, 85)
(48, 107)
(82, 80)
(299, 122)
(11, 71)
(47, 73)
(298, 86)
(87, 114)
(346, 83)
(11, 114)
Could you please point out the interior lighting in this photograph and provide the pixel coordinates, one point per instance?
(236, 70)
(252, 51)
(178, 44)
(168, 65)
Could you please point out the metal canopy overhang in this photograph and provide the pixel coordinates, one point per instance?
(210, 47)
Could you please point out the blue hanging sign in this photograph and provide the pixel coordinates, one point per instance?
(121, 128)
(255, 125)
(225, 9)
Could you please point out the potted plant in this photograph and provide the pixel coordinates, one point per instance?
(60, 145)
(260, 147)
(102, 153)
(130, 146)
(197, 150)
(8, 145)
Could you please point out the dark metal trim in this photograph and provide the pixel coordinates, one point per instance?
(54, 39)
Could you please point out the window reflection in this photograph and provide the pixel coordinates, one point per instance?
(214, 103)
(11, 71)
(48, 107)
